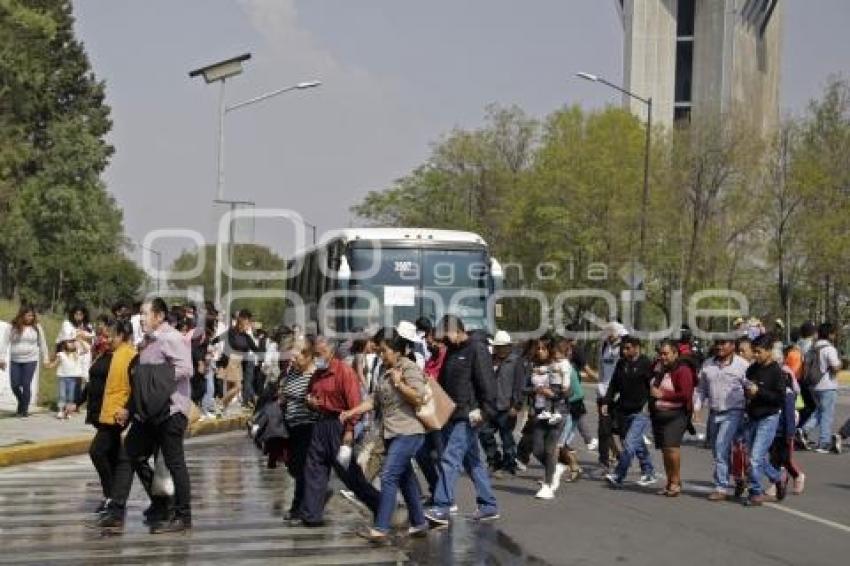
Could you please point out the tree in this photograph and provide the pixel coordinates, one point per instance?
(58, 220)
(246, 257)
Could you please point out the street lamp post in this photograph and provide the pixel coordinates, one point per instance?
(644, 205)
(220, 72)
(313, 228)
(230, 238)
(158, 255)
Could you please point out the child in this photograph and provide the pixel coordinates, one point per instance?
(69, 372)
(544, 376)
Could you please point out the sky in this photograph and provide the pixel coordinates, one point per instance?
(397, 75)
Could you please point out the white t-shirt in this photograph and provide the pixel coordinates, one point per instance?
(828, 359)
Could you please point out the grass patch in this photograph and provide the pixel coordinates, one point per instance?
(47, 388)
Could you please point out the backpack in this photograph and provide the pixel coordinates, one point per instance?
(811, 368)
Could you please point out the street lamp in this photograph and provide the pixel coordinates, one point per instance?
(636, 311)
(233, 204)
(158, 255)
(220, 72)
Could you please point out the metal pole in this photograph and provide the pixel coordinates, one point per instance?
(645, 200)
(231, 236)
(158, 272)
(222, 110)
(314, 233)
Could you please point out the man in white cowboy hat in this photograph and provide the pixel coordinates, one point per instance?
(510, 382)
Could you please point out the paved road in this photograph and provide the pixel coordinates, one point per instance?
(238, 507)
(588, 523)
(237, 511)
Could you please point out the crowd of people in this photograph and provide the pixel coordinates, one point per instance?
(364, 408)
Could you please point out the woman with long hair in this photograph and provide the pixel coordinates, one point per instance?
(548, 410)
(26, 344)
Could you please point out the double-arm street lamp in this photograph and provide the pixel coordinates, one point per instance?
(644, 205)
(220, 72)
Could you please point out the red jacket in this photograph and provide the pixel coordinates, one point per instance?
(336, 389)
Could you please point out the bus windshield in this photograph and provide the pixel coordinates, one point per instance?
(429, 282)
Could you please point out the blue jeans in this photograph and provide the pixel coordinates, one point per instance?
(67, 390)
(760, 435)
(397, 472)
(570, 427)
(461, 451)
(208, 402)
(20, 378)
(633, 427)
(726, 427)
(824, 415)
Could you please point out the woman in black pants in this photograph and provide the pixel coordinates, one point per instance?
(299, 419)
(108, 393)
(548, 407)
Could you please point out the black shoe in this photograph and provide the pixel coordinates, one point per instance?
(104, 505)
(175, 525)
(109, 524)
(312, 524)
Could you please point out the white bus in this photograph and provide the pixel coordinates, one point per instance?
(365, 278)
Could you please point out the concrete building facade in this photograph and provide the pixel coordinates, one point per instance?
(703, 59)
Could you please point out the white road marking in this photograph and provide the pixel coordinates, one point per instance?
(783, 508)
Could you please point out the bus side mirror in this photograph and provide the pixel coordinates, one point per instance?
(344, 271)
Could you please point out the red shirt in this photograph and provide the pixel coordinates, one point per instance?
(435, 363)
(682, 380)
(336, 389)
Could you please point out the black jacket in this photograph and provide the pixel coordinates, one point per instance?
(770, 397)
(629, 387)
(98, 372)
(151, 389)
(510, 383)
(467, 377)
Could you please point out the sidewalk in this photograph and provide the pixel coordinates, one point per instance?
(42, 436)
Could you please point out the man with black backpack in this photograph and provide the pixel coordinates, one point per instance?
(820, 375)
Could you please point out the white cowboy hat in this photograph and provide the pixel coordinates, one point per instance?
(407, 330)
(501, 338)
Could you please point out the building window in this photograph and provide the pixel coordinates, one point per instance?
(686, 18)
(684, 70)
(681, 116)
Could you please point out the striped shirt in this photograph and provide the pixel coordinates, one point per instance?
(294, 389)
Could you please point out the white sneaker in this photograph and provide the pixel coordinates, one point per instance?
(555, 418)
(60, 415)
(520, 466)
(545, 492)
(544, 415)
(556, 478)
(647, 479)
(593, 445)
(454, 510)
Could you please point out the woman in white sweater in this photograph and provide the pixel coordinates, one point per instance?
(24, 344)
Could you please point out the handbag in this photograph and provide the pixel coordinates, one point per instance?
(437, 409)
(162, 484)
(370, 456)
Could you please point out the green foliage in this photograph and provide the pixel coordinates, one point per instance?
(246, 257)
(61, 233)
(727, 209)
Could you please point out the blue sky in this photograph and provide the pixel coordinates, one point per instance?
(397, 75)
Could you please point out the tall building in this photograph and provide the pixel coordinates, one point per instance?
(703, 59)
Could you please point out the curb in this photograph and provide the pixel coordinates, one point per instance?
(76, 445)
